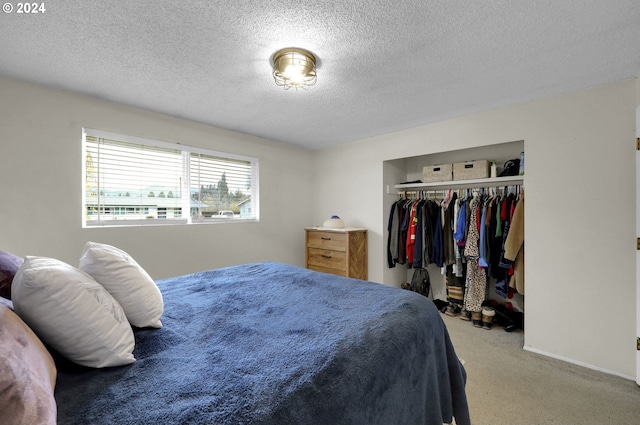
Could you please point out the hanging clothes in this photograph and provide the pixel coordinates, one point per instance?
(417, 260)
(472, 239)
(430, 212)
(460, 234)
(482, 241)
(495, 239)
(447, 231)
(505, 215)
(437, 250)
(411, 233)
(475, 286)
(393, 227)
(471, 246)
(396, 217)
(514, 246)
(476, 281)
(404, 226)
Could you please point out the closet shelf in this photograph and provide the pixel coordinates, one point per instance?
(463, 184)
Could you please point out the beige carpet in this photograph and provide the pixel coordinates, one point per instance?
(507, 385)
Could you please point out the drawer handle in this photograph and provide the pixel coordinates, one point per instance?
(325, 238)
(326, 256)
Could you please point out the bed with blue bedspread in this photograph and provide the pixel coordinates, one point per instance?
(269, 343)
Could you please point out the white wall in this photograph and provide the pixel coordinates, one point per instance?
(580, 212)
(40, 185)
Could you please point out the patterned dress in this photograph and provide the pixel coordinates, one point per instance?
(476, 283)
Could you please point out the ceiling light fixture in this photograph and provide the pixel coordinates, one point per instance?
(294, 67)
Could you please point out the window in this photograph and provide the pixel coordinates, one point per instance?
(133, 181)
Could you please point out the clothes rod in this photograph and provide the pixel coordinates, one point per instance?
(491, 190)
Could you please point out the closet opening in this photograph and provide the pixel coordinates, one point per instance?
(459, 241)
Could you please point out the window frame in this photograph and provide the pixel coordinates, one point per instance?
(186, 152)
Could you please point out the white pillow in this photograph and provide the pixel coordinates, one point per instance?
(129, 283)
(72, 313)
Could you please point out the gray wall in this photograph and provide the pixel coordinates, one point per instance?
(40, 183)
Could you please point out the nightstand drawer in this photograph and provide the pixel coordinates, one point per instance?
(336, 260)
(327, 240)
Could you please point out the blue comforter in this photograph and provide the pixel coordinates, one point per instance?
(269, 343)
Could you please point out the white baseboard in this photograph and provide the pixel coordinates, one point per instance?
(568, 360)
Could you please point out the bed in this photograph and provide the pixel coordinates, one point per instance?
(270, 343)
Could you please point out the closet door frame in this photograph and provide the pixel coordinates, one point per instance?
(638, 245)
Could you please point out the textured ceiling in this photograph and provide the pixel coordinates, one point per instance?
(383, 65)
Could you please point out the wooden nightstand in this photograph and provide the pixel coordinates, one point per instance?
(337, 251)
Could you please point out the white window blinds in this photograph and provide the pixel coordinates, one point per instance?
(133, 181)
